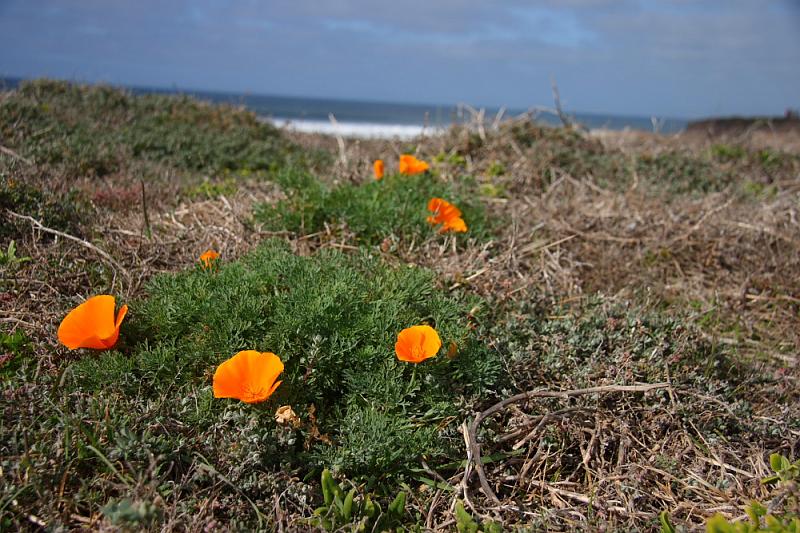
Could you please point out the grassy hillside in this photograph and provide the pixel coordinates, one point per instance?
(620, 323)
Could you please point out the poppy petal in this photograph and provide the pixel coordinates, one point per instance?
(417, 343)
(248, 376)
(92, 324)
(120, 315)
(431, 343)
(410, 165)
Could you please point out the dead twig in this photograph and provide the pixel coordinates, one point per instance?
(339, 139)
(41, 227)
(15, 155)
(563, 117)
(470, 433)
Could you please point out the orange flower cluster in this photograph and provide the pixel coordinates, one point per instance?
(443, 212)
(446, 214)
(251, 376)
(409, 166)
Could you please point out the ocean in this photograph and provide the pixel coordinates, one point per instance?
(360, 118)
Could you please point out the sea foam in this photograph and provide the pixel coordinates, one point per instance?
(361, 130)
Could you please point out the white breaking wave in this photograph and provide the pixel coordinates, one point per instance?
(361, 130)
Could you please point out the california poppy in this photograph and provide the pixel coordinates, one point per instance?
(248, 376)
(410, 165)
(446, 214)
(92, 324)
(208, 258)
(417, 343)
(377, 168)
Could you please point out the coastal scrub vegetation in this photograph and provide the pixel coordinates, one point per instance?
(81, 131)
(333, 320)
(618, 324)
(391, 208)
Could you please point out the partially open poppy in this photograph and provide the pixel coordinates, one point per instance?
(248, 376)
(377, 167)
(410, 165)
(446, 214)
(92, 324)
(208, 258)
(417, 343)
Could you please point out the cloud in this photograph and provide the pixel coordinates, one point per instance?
(669, 57)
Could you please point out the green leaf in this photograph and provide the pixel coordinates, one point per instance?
(370, 508)
(666, 524)
(328, 487)
(464, 521)
(718, 524)
(397, 507)
(755, 511)
(492, 527)
(347, 506)
(776, 462)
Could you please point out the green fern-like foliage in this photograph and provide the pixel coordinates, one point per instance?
(393, 206)
(333, 319)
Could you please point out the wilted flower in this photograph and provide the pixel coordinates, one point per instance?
(285, 416)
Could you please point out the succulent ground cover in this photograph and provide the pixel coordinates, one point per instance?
(623, 313)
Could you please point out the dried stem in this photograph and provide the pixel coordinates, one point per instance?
(470, 433)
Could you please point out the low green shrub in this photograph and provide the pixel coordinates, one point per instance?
(333, 319)
(393, 206)
(62, 212)
(100, 130)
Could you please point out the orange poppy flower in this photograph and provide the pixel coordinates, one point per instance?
(208, 258)
(248, 376)
(92, 324)
(456, 225)
(446, 214)
(410, 165)
(417, 343)
(377, 167)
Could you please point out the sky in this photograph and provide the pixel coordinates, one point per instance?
(666, 58)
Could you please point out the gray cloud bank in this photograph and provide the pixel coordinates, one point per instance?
(671, 58)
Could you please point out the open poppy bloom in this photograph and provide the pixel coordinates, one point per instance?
(417, 343)
(446, 214)
(377, 167)
(248, 376)
(208, 258)
(410, 165)
(92, 324)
